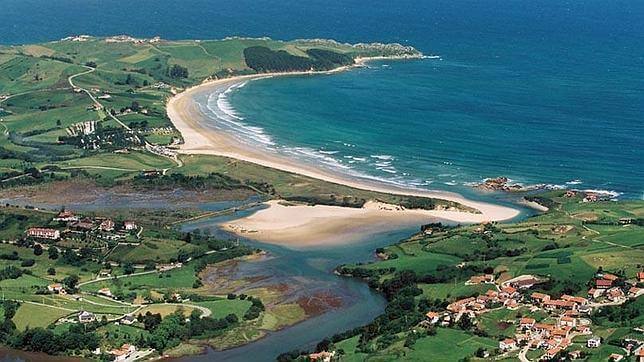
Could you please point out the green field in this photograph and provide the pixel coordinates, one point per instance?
(32, 316)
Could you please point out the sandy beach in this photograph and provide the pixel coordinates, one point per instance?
(309, 226)
(290, 224)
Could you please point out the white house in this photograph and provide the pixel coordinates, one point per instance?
(507, 344)
(86, 317)
(594, 342)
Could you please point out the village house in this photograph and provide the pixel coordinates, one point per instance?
(567, 321)
(123, 353)
(107, 225)
(551, 354)
(105, 291)
(590, 197)
(594, 293)
(544, 328)
(524, 283)
(634, 292)
(129, 225)
(508, 292)
(539, 298)
(615, 294)
(559, 334)
(85, 224)
(570, 193)
(559, 304)
(460, 305)
(577, 300)
(323, 356)
(526, 323)
(583, 329)
(43, 233)
(176, 297)
(640, 276)
(603, 283)
(128, 320)
(576, 354)
(480, 279)
(66, 216)
(507, 344)
(105, 273)
(432, 317)
(615, 357)
(86, 317)
(167, 267)
(593, 342)
(56, 288)
(611, 277)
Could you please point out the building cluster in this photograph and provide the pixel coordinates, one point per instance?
(129, 39)
(568, 315)
(71, 225)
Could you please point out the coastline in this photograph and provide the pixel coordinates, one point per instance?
(189, 120)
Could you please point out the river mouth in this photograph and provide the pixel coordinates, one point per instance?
(304, 277)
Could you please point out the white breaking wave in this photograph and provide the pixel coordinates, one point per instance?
(228, 118)
(383, 157)
(328, 152)
(610, 193)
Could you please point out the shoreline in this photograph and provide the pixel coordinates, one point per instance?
(190, 121)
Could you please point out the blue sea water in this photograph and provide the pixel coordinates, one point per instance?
(544, 91)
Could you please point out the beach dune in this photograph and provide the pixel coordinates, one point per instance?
(308, 225)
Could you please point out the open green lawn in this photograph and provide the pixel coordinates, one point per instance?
(157, 250)
(31, 315)
(453, 290)
(449, 345)
(134, 161)
(176, 279)
(224, 307)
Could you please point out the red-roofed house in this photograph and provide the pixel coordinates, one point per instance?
(432, 317)
(525, 283)
(603, 283)
(323, 356)
(634, 292)
(567, 321)
(615, 294)
(559, 304)
(610, 277)
(551, 353)
(578, 300)
(508, 292)
(595, 293)
(527, 322)
(640, 277)
(539, 297)
(66, 216)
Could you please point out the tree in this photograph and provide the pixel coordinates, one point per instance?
(465, 323)
(128, 268)
(37, 249)
(51, 271)
(71, 281)
(176, 71)
(53, 253)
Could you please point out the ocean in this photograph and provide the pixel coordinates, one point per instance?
(543, 92)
